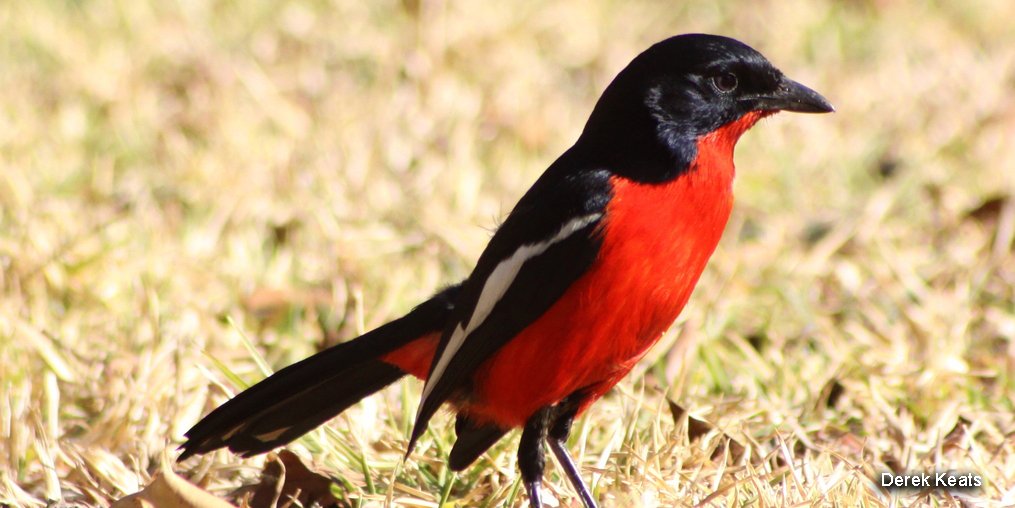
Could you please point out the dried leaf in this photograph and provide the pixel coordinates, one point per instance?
(168, 490)
(831, 393)
(989, 210)
(955, 436)
(286, 481)
(696, 428)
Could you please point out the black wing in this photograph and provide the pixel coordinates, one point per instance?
(548, 242)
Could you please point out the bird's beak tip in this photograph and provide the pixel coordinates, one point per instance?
(793, 96)
(823, 107)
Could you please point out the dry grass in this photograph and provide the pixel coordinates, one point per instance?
(179, 179)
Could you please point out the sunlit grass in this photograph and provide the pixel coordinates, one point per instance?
(181, 180)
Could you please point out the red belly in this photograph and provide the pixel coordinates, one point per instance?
(657, 239)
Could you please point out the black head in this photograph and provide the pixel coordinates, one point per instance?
(650, 117)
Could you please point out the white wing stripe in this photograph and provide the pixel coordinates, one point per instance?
(496, 285)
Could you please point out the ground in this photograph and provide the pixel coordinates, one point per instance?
(194, 192)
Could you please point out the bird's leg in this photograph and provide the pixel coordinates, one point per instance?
(531, 460)
(557, 438)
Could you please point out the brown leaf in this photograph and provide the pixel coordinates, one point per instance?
(831, 393)
(989, 210)
(168, 490)
(287, 482)
(696, 428)
(955, 436)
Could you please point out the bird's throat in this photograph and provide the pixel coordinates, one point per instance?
(715, 149)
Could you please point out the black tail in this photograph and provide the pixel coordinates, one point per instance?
(472, 440)
(306, 394)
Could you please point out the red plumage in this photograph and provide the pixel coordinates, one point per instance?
(657, 239)
(415, 357)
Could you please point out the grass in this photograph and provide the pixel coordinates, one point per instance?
(179, 180)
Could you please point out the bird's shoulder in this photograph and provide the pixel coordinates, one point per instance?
(567, 191)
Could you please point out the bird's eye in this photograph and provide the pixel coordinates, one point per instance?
(725, 83)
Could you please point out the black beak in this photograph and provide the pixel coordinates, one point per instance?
(792, 96)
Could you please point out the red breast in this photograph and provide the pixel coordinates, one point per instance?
(657, 239)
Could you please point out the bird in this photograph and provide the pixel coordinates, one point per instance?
(588, 270)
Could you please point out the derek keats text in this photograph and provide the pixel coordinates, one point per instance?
(948, 480)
